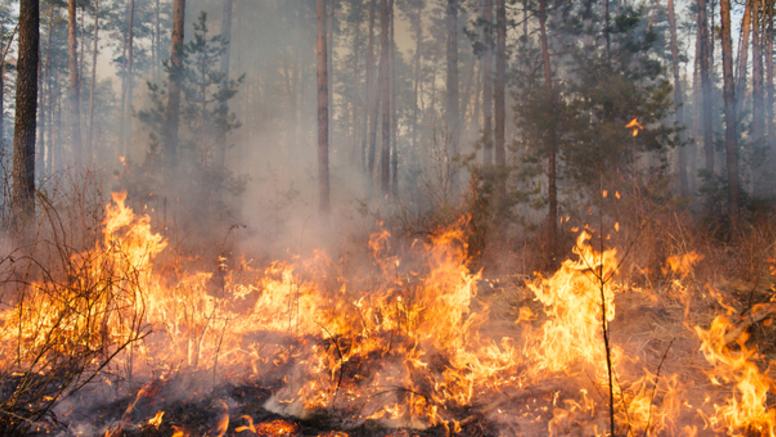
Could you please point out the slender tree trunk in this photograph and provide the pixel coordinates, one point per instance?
(385, 153)
(743, 57)
(226, 34)
(758, 114)
(769, 60)
(93, 82)
(394, 183)
(731, 150)
(486, 14)
(678, 99)
(706, 91)
(74, 80)
(174, 88)
(323, 108)
(417, 28)
(372, 108)
(23, 194)
(552, 193)
(330, 23)
(126, 118)
(41, 128)
(499, 92)
(452, 117)
(58, 152)
(52, 93)
(354, 105)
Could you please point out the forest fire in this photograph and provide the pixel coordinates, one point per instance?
(390, 218)
(415, 348)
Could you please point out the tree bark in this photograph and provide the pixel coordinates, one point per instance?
(486, 70)
(323, 107)
(370, 140)
(678, 99)
(499, 93)
(769, 60)
(417, 28)
(743, 56)
(41, 128)
(758, 114)
(552, 183)
(385, 146)
(174, 87)
(706, 97)
(452, 99)
(731, 150)
(23, 194)
(93, 82)
(52, 94)
(74, 83)
(126, 117)
(394, 171)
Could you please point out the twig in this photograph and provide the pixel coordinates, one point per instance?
(654, 388)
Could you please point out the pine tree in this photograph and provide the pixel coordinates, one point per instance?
(23, 201)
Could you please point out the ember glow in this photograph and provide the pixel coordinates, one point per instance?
(411, 343)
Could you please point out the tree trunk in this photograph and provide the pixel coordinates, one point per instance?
(394, 183)
(23, 194)
(707, 98)
(731, 150)
(52, 93)
(678, 99)
(370, 141)
(486, 70)
(226, 34)
(126, 117)
(499, 93)
(58, 152)
(417, 28)
(743, 57)
(758, 115)
(323, 108)
(769, 60)
(452, 117)
(73, 79)
(174, 87)
(330, 8)
(93, 82)
(552, 183)
(41, 128)
(385, 146)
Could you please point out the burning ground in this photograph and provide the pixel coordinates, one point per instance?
(129, 338)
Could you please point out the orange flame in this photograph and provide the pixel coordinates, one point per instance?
(635, 127)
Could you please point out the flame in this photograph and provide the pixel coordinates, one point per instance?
(635, 127)
(571, 300)
(273, 428)
(409, 342)
(746, 411)
(156, 421)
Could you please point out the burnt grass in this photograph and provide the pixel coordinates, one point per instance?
(199, 417)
